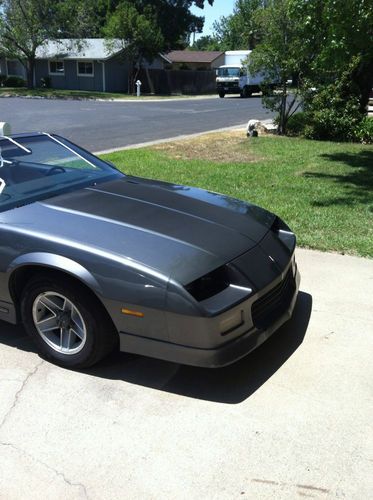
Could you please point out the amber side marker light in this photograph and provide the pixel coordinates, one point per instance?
(138, 314)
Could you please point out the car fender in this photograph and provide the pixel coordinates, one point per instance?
(56, 262)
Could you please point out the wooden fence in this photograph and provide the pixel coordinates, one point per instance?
(160, 81)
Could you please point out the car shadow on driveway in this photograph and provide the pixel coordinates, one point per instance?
(231, 385)
(15, 336)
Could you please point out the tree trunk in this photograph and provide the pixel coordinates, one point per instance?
(135, 78)
(363, 77)
(150, 81)
(135, 73)
(30, 69)
(282, 121)
(130, 77)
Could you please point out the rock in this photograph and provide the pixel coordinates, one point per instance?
(251, 127)
(267, 127)
(262, 127)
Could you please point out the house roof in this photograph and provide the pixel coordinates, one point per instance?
(86, 48)
(193, 56)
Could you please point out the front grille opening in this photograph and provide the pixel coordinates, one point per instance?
(209, 285)
(271, 306)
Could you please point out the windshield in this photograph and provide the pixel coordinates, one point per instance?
(228, 71)
(40, 166)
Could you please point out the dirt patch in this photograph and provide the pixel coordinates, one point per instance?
(227, 147)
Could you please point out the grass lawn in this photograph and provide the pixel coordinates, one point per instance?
(323, 190)
(77, 94)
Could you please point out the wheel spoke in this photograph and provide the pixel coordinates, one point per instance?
(59, 322)
(47, 324)
(76, 325)
(79, 332)
(67, 306)
(50, 304)
(66, 339)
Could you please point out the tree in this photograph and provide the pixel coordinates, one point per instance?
(280, 55)
(206, 43)
(175, 19)
(315, 43)
(239, 31)
(138, 34)
(228, 34)
(342, 36)
(26, 25)
(103, 10)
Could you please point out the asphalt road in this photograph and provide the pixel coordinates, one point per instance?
(291, 420)
(103, 125)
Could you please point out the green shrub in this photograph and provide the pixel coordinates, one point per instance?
(14, 81)
(364, 131)
(334, 114)
(334, 109)
(297, 123)
(2, 80)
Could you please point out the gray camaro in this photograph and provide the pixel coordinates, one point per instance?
(91, 259)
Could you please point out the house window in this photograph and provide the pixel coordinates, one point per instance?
(14, 68)
(56, 68)
(85, 68)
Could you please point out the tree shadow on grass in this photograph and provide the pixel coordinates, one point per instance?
(357, 183)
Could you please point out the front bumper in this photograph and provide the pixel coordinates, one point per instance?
(217, 357)
(228, 88)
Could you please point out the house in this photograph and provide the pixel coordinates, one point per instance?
(12, 67)
(89, 64)
(84, 64)
(195, 59)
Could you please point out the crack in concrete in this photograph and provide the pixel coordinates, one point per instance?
(49, 467)
(19, 392)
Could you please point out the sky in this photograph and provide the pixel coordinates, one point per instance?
(211, 14)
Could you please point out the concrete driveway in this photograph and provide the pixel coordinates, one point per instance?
(294, 419)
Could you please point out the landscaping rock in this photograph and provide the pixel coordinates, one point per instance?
(251, 127)
(262, 127)
(267, 127)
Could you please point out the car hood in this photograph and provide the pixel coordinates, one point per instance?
(182, 232)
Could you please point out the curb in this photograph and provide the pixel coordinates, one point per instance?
(109, 99)
(169, 139)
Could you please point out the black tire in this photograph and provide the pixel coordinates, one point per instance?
(100, 335)
(222, 95)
